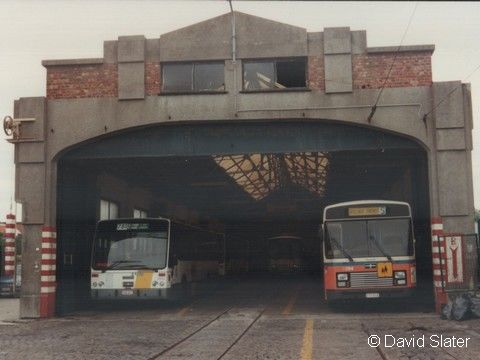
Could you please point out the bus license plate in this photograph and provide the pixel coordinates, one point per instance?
(127, 292)
(372, 295)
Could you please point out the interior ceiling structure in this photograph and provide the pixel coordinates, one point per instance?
(261, 174)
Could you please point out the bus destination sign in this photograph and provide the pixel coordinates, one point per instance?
(132, 226)
(368, 211)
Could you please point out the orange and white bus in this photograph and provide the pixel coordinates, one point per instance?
(368, 250)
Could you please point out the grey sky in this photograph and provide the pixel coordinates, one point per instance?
(37, 30)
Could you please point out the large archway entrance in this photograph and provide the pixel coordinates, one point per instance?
(255, 181)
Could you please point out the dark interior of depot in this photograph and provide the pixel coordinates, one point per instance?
(251, 196)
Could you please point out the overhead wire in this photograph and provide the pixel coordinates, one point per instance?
(374, 107)
(449, 94)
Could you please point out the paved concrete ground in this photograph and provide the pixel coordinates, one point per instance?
(281, 318)
(9, 309)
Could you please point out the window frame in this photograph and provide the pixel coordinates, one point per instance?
(109, 202)
(141, 211)
(163, 91)
(275, 60)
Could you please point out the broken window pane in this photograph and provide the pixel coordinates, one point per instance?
(178, 77)
(291, 73)
(258, 75)
(209, 77)
(274, 74)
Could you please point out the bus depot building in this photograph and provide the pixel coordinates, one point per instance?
(251, 133)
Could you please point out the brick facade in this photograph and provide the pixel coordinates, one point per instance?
(409, 69)
(82, 81)
(316, 73)
(369, 72)
(152, 78)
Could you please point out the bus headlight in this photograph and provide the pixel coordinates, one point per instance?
(101, 283)
(94, 284)
(400, 275)
(401, 282)
(342, 280)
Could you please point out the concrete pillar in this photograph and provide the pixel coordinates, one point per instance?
(131, 67)
(453, 142)
(31, 188)
(337, 49)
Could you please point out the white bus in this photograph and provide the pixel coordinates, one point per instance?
(152, 258)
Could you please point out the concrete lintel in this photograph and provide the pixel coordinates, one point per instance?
(405, 48)
(65, 62)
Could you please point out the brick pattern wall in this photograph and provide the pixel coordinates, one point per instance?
(82, 81)
(152, 78)
(409, 69)
(316, 73)
(369, 72)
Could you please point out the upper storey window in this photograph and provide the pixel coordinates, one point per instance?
(193, 77)
(275, 74)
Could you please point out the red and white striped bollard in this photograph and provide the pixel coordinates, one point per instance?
(48, 272)
(439, 263)
(10, 232)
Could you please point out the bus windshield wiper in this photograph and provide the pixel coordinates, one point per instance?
(342, 249)
(374, 240)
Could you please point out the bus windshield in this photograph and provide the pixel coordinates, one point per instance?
(368, 238)
(130, 245)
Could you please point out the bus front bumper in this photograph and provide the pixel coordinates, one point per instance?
(368, 293)
(130, 294)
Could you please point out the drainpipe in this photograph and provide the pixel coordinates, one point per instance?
(234, 57)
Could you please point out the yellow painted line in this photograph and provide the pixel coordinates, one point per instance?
(184, 311)
(306, 353)
(288, 309)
